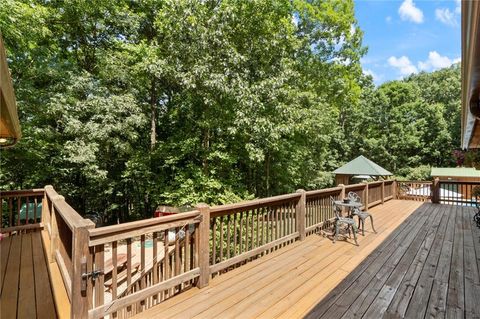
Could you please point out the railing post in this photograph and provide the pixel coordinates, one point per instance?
(80, 252)
(436, 191)
(342, 192)
(300, 213)
(383, 192)
(394, 189)
(46, 220)
(365, 195)
(204, 245)
(342, 196)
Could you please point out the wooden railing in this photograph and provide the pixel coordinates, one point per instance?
(21, 211)
(169, 265)
(415, 190)
(65, 242)
(455, 193)
(319, 210)
(121, 270)
(241, 231)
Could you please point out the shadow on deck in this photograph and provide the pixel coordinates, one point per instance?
(291, 281)
(428, 267)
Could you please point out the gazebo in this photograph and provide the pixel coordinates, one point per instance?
(361, 168)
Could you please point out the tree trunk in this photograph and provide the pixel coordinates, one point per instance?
(206, 147)
(153, 115)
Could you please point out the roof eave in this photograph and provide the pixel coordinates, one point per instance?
(10, 131)
(470, 74)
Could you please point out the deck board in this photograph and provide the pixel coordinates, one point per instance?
(442, 280)
(26, 289)
(292, 280)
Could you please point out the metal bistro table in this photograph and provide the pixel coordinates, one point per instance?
(350, 205)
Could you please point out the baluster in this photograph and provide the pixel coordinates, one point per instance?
(141, 304)
(177, 255)
(90, 285)
(241, 233)
(229, 247)
(155, 262)
(114, 274)
(263, 210)
(272, 220)
(129, 309)
(221, 239)
(35, 210)
(187, 250)
(27, 201)
(252, 229)
(234, 234)
(214, 241)
(246, 231)
(257, 211)
(19, 202)
(166, 274)
(99, 285)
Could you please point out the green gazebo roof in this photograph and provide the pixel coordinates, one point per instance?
(455, 172)
(362, 166)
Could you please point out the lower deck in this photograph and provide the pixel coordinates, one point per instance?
(25, 289)
(428, 268)
(289, 282)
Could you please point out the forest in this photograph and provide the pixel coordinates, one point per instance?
(125, 105)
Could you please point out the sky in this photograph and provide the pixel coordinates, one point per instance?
(408, 36)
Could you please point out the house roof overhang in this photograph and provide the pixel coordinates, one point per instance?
(470, 74)
(10, 131)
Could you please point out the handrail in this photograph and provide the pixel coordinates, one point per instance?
(23, 192)
(108, 234)
(113, 229)
(323, 191)
(253, 203)
(459, 182)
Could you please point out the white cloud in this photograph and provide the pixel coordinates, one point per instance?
(376, 78)
(446, 17)
(403, 64)
(388, 19)
(436, 61)
(408, 11)
(458, 7)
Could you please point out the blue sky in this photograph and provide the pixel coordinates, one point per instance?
(408, 36)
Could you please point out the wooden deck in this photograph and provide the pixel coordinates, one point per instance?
(291, 281)
(429, 267)
(25, 284)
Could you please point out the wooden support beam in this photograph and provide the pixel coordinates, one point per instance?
(436, 191)
(81, 251)
(383, 192)
(203, 245)
(300, 213)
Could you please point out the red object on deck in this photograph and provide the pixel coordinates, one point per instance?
(164, 210)
(160, 214)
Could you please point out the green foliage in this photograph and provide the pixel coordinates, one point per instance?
(420, 173)
(128, 104)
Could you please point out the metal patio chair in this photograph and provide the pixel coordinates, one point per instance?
(362, 215)
(339, 220)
